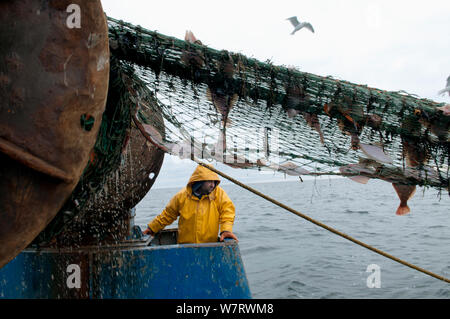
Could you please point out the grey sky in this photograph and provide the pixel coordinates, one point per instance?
(390, 45)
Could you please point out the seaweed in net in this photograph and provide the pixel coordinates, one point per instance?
(318, 125)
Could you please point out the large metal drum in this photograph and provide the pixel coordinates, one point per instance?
(54, 72)
(106, 218)
(122, 169)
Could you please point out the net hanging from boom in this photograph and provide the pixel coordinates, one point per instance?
(249, 114)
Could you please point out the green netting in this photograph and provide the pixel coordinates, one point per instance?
(107, 152)
(273, 117)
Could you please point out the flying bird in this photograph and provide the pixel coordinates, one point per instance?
(446, 89)
(299, 25)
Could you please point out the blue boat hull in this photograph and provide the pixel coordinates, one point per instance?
(201, 271)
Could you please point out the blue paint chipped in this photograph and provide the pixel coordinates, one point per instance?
(173, 271)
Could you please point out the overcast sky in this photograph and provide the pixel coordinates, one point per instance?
(386, 44)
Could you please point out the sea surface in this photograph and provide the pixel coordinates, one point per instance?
(286, 256)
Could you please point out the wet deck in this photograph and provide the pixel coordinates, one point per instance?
(138, 268)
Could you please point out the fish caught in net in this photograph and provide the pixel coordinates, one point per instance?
(192, 101)
(248, 114)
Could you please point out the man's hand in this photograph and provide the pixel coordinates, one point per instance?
(148, 231)
(228, 234)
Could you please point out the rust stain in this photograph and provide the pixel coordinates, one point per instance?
(47, 68)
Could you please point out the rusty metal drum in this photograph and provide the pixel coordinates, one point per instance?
(126, 176)
(107, 217)
(54, 73)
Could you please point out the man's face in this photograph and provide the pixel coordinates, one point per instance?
(208, 187)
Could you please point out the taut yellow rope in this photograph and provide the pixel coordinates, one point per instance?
(323, 225)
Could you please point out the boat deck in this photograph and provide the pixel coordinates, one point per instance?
(137, 268)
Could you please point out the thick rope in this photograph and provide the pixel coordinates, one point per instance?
(323, 225)
(254, 191)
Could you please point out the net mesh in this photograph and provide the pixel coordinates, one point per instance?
(106, 155)
(223, 106)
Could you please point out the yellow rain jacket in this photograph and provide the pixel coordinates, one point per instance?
(199, 218)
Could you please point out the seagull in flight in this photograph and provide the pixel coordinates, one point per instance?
(298, 25)
(447, 88)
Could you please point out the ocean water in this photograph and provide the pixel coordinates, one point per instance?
(286, 256)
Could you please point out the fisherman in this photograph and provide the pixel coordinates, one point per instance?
(203, 208)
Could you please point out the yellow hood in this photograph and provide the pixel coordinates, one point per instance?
(199, 219)
(203, 174)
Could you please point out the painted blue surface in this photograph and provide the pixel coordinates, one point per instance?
(213, 270)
